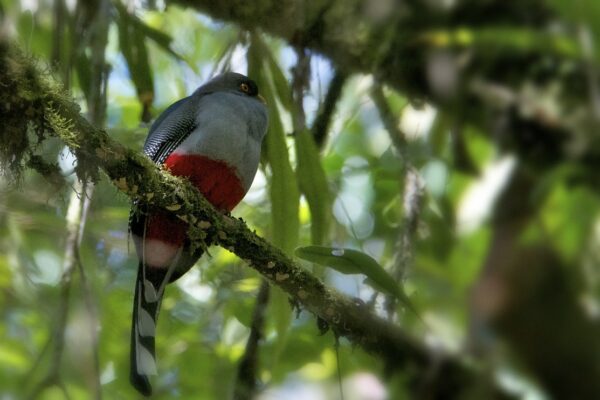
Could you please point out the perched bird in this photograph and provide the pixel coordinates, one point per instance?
(213, 138)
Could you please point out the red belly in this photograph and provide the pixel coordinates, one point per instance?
(214, 179)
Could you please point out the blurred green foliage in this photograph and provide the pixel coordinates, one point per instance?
(348, 195)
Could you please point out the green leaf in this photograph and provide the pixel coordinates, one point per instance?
(314, 186)
(284, 193)
(310, 174)
(282, 86)
(350, 262)
(223, 58)
(133, 46)
(280, 82)
(281, 313)
(83, 67)
(162, 39)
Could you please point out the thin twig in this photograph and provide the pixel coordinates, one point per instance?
(389, 120)
(73, 218)
(413, 193)
(300, 83)
(87, 293)
(320, 127)
(245, 387)
(339, 366)
(97, 114)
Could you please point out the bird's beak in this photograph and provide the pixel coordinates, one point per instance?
(262, 99)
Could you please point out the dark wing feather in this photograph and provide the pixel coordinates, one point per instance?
(172, 127)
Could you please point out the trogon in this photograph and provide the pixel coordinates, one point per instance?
(213, 138)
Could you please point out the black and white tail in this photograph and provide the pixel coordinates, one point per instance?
(149, 288)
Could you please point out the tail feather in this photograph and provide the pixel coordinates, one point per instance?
(146, 305)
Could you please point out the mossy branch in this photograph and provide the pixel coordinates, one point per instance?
(57, 115)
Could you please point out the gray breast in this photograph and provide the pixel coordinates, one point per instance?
(230, 128)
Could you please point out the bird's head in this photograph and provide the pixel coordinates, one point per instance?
(234, 83)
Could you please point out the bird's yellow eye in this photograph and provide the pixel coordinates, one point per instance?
(244, 87)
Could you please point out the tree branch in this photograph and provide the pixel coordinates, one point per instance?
(52, 112)
(388, 41)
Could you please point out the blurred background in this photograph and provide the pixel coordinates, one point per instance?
(455, 142)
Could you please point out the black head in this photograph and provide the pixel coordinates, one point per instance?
(231, 82)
